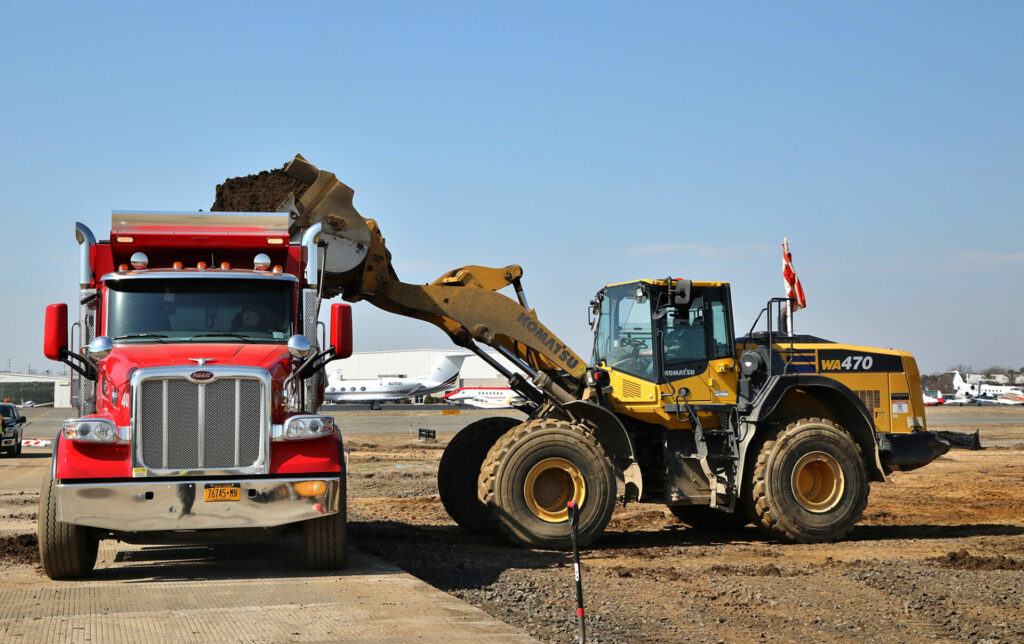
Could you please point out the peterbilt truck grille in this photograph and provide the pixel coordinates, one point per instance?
(217, 425)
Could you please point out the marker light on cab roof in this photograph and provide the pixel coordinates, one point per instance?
(139, 260)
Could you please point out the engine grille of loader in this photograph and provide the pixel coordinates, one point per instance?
(184, 425)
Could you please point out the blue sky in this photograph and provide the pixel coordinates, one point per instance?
(588, 142)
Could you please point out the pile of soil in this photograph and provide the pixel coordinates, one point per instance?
(19, 549)
(260, 192)
(964, 560)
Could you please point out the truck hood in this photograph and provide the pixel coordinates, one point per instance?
(125, 358)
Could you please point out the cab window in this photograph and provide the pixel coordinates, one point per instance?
(721, 343)
(684, 334)
(623, 338)
(700, 331)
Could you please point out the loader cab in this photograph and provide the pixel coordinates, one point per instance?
(668, 331)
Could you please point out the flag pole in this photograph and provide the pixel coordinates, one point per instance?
(789, 300)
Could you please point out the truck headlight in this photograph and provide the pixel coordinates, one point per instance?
(303, 427)
(91, 430)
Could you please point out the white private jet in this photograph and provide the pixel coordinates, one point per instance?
(485, 397)
(999, 394)
(441, 376)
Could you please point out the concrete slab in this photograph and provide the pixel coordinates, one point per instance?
(250, 593)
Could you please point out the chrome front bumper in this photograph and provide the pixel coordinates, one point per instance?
(159, 504)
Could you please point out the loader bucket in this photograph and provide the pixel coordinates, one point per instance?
(344, 235)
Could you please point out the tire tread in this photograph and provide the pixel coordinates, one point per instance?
(781, 438)
(459, 471)
(501, 450)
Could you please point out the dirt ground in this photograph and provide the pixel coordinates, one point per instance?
(938, 556)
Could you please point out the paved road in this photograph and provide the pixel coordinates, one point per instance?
(241, 593)
(250, 592)
(979, 418)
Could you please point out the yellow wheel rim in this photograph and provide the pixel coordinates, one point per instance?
(818, 482)
(550, 485)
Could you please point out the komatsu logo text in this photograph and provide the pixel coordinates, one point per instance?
(557, 349)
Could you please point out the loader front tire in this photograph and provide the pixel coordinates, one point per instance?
(459, 470)
(533, 471)
(809, 483)
(326, 545)
(68, 551)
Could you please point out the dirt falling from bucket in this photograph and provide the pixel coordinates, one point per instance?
(260, 192)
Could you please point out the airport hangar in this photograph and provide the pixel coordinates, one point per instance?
(39, 388)
(412, 363)
(415, 363)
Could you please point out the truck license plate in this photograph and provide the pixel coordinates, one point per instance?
(222, 492)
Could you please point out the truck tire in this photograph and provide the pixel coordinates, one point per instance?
(809, 483)
(68, 551)
(704, 518)
(534, 470)
(327, 537)
(459, 470)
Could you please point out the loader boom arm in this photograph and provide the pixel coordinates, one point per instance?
(464, 303)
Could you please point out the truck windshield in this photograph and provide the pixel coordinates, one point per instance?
(199, 310)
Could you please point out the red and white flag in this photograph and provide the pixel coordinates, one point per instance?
(794, 291)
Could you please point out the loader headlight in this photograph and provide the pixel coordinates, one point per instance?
(303, 427)
(93, 430)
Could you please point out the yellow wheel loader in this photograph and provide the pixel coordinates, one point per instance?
(780, 430)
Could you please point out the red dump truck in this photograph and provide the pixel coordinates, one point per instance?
(198, 367)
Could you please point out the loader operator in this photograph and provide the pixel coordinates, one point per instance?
(684, 341)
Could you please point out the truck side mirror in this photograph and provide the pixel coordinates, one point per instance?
(55, 336)
(341, 330)
(682, 292)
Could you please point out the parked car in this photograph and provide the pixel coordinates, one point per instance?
(13, 429)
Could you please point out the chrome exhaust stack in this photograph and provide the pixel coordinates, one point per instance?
(85, 241)
(311, 240)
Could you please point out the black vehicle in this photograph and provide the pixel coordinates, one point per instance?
(13, 429)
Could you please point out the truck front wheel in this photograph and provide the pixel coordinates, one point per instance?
(809, 483)
(533, 471)
(459, 470)
(327, 538)
(68, 551)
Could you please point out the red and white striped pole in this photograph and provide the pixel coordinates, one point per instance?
(574, 521)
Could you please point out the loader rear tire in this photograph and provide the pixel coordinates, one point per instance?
(327, 537)
(534, 470)
(459, 470)
(68, 551)
(809, 483)
(706, 519)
